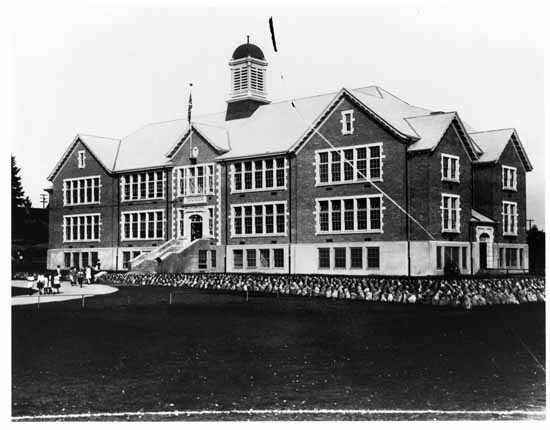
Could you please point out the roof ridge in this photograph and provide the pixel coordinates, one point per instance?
(490, 131)
(99, 137)
(435, 113)
(303, 98)
(399, 98)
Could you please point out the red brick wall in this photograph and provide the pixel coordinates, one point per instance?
(426, 187)
(238, 198)
(106, 207)
(366, 130)
(207, 154)
(489, 193)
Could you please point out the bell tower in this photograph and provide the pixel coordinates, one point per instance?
(248, 81)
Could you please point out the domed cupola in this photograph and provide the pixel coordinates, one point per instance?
(248, 90)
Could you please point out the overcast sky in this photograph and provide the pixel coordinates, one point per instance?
(109, 71)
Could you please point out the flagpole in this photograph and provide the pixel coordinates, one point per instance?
(189, 108)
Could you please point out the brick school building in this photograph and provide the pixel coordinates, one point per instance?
(352, 182)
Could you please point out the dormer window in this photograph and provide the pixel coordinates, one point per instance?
(347, 121)
(81, 159)
(509, 178)
(450, 168)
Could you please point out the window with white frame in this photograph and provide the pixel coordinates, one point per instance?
(195, 180)
(142, 225)
(509, 218)
(143, 186)
(81, 228)
(347, 121)
(511, 258)
(349, 164)
(450, 213)
(450, 168)
(81, 191)
(362, 214)
(265, 219)
(509, 178)
(259, 175)
(81, 159)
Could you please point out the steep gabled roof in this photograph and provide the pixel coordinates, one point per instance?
(103, 149)
(492, 144)
(283, 127)
(431, 129)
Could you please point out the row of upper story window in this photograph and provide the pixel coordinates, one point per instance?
(339, 215)
(360, 163)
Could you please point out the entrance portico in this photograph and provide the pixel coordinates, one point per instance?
(194, 223)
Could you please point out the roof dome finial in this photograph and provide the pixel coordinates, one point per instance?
(248, 50)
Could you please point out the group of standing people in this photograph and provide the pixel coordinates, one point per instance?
(45, 283)
(82, 275)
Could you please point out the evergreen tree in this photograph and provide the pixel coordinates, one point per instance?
(18, 198)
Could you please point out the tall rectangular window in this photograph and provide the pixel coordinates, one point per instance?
(126, 257)
(67, 259)
(509, 218)
(521, 258)
(264, 258)
(81, 191)
(238, 220)
(356, 254)
(76, 259)
(278, 258)
(323, 167)
(347, 121)
(251, 258)
(373, 257)
(238, 258)
(213, 260)
(258, 175)
(203, 262)
(85, 262)
(81, 159)
(94, 258)
(438, 257)
(509, 178)
(339, 258)
(324, 258)
(269, 173)
(248, 222)
(450, 213)
(450, 168)
(248, 175)
(464, 258)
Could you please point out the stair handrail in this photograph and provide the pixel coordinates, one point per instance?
(153, 253)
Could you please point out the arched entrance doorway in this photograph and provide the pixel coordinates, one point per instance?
(196, 227)
(483, 242)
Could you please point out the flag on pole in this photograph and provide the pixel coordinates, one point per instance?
(272, 30)
(190, 107)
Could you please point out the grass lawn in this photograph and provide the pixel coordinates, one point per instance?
(132, 351)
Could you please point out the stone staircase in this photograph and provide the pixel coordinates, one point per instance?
(149, 262)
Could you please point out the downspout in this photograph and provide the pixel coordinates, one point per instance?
(225, 217)
(290, 212)
(470, 226)
(408, 211)
(116, 220)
